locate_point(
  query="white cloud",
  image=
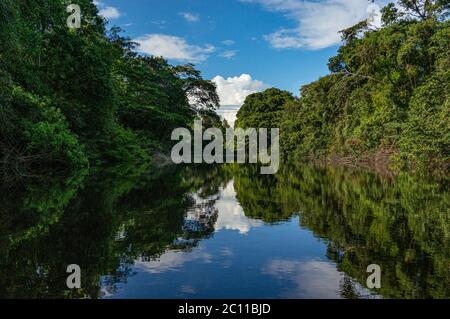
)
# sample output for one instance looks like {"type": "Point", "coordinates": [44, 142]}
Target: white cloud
{"type": "Point", "coordinates": [229, 54]}
{"type": "Point", "coordinates": [190, 17]}
{"type": "Point", "coordinates": [228, 42]}
{"type": "Point", "coordinates": [108, 12]}
{"type": "Point", "coordinates": [317, 23]}
{"type": "Point", "coordinates": [172, 47]}
{"type": "Point", "coordinates": [234, 90]}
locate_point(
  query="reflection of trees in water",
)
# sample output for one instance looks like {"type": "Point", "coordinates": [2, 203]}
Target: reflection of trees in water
{"type": "Point", "coordinates": [27, 210]}
{"type": "Point", "coordinates": [118, 216]}
{"type": "Point", "coordinates": [198, 224]}
{"type": "Point", "coordinates": [402, 225]}
{"type": "Point", "coordinates": [257, 193]}
{"type": "Point", "coordinates": [200, 219]}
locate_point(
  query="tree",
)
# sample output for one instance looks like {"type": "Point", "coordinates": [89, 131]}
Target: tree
{"type": "Point", "coordinates": [83, 95]}
{"type": "Point", "coordinates": [387, 93]}
{"type": "Point", "coordinates": [262, 110]}
{"type": "Point", "coordinates": [390, 14]}
{"type": "Point", "coordinates": [425, 9]}
{"type": "Point", "coordinates": [201, 93]}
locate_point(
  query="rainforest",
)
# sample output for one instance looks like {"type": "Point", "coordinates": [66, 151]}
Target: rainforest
{"type": "Point", "coordinates": [86, 174]}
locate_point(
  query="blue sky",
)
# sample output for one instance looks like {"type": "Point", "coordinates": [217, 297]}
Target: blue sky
{"type": "Point", "coordinates": [244, 45]}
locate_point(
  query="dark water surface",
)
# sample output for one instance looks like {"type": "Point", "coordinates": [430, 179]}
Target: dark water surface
{"type": "Point", "coordinates": [226, 232]}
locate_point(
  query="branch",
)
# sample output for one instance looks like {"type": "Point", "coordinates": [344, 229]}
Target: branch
{"type": "Point", "coordinates": [348, 73]}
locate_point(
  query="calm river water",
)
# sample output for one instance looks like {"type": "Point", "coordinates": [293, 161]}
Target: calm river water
{"type": "Point", "coordinates": [227, 232]}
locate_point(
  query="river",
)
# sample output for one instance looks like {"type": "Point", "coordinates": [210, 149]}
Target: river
{"type": "Point", "coordinates": [227, 232]}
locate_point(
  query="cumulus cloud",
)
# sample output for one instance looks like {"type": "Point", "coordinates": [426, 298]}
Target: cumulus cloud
{"type": "Point", "coordinates": [317, 23]}
{"type": "Point", "coordinates": [172, 47]}
{"type": "Point", "coordinates": [229, 54]}
{"type": "Point", "coordinates": [234, 90]}
{"type": "Point", "coordinates": [190, 17]}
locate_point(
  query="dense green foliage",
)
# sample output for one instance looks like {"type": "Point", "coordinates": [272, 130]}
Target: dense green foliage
{"type": "Point", "coordinates": [263, 110]}
{"type": "Point", "coordinates": [388, 90]}
{"type": "Point", "coordinates": [70, 97]}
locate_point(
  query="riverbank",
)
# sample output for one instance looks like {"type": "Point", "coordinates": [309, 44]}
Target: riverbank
{"type": "Point", "coordinates": [385, 162]}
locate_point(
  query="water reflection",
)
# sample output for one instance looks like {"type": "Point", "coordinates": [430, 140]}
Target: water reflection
{"type": "Point", "coordinates": [232, 215]}
{"type": "Point", "coordinates": [307, 232]}
{"type": "Point", "coordinates": [313, 279]}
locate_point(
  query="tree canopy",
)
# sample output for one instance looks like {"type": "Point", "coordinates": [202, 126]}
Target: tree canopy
{"type": "Point", "coordinates": [262, 110]}
{"type": "Point", "coordinates": [79, 97]}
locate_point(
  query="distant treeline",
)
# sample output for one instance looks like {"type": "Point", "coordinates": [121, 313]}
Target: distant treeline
{"type": "Point", "coordinates": [387, 94]}
{"type": "Point", "coordinates": [70, 98]}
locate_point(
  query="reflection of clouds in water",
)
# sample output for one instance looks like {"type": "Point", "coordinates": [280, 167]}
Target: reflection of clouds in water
{"type": "Point", "coordinates": [228, 256]}
{"type": "Point", "coordinates": [227, 251]}
{"type": "Point", "coordinates": [313, 278]}
{"type": "Point", "coordinates": [231, 215]}
{"type": "Point", "coordinates": [173, 260]}
{"type": "Point", "coordinates": [186, 289]}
